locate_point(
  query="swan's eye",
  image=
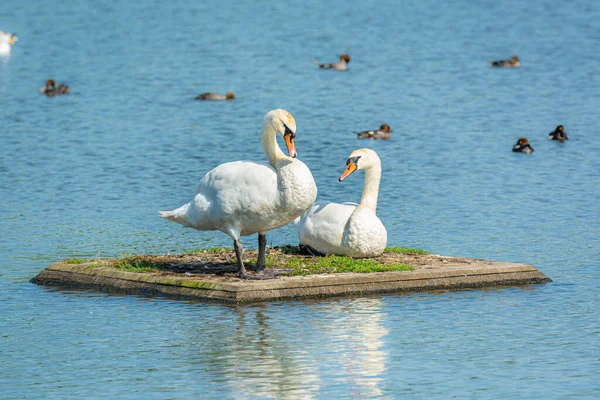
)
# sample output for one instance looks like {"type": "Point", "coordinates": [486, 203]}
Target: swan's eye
{"type": "Point", "coordinates": [353, 160]}
{"type": "Point", "coordinates": [288, 131]}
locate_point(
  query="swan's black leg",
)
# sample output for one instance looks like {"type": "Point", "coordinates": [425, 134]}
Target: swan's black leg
{"type": "Point", "coordinates": [239, 249]}
{"type": "Point", "coordinates": [261, 262]}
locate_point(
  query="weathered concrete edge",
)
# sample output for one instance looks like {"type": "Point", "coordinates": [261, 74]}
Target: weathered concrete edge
{"type": "Point", "coordinates": [295, 282]}
{"type": "Point", "coordinates": [146, 284]}
{"type": "Point", "coordinates": [55, 277]}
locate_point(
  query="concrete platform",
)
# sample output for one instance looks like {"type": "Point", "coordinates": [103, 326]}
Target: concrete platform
{"type": "Point", "coordinates": [435, 273]}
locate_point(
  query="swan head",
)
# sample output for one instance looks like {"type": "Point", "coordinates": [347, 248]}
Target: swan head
{"type": "Point", "coordinates": [360, 159]}
{"type": "Point", "coordinates": [8, 37]}
{"type": "Point", "coordinates": [285, 126]}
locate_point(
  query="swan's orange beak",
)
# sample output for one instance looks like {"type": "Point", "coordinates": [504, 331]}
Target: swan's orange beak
{"type": "Point", "coordinates": [289, 142]}
{"type": "Point", "coordinates": [349, 169]}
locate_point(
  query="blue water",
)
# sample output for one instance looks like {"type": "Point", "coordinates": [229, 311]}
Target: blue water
{"type": "Point", "coordinates": [83, 175]}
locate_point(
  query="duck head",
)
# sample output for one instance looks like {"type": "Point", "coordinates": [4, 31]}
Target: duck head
{"type": "Point", "coordinates": [229, 96]}
{"type": "Point", "coordinates": [345, 57]}
{"type": "Point", "coordinates": [385, 128]}
{"type": "Point", "coordinates": [523, 146]}
{"type": "Point", "coordinates": [514, 59]}
{"type": "Point", "coordinates": [284, 125]}
{"type": "Point", "coordinates": [559, 134]}
{"type": "Point", "coordinates": [360, 159]}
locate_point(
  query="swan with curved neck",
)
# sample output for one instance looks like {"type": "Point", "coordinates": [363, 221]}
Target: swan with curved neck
{"type": "Point", "coordinates": [242, 198]}
{"type": "Point", "coordinates": [348, 229]}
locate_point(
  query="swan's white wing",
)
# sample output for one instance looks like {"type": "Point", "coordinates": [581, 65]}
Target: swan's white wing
{"type": "Point", "coordinates": [322, 226]}
{"type": "Point", "coordinates": [239, 195]}
{"type": "Point", "coordinates": [243, 185]}
{"type": "Point", "coordinates": [237, 176]}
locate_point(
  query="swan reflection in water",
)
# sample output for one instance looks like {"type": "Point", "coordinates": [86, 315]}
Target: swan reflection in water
{"type": "Point", "coordinates": [357, 327]}
{"type": "Point", "coordinates": [283, 349]}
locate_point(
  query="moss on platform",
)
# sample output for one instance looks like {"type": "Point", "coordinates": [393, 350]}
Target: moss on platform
{"type": "Point", "coordinates": [223, 260]}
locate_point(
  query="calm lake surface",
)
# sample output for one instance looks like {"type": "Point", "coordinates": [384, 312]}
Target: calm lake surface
{"type": "Point", "coordinates": [83, 175]}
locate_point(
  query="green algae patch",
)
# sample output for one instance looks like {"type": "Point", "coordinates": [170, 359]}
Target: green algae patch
{"type": "Point", "coordinates": [95, 265]}
{"type": "Point", "coordinates": [136, 264]}
{"type": "Point", "coordinates": [405, 250]}
{"type": "Point", "coordinates": [303, 263]}
{"type": "Point", "coordinates": [339, 264]}
{"type": "Point", "coordinates": [198, 284]}
{"type": "Point", "coordinates": [76, 261]}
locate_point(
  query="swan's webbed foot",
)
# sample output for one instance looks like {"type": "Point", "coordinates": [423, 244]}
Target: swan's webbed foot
{"type": "Point", "coordinates": [270, 273]}
{"type": "Point", "coordinates": [264, 275]}
{"type": "Point", "coordinates": [305, 249]}
{"type": "Point", "coordinates": [242, 273]}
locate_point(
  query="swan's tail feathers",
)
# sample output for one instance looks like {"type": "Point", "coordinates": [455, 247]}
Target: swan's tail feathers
{"type": "Point", "coordinates": [175, 215]}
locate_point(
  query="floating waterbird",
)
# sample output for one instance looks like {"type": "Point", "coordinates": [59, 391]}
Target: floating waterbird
{"type": "Point", "coordinates": [215, 96]}
{"type": "Point", "coordinates": [382, 133]}
{"type": "Point", "coordinates": [512, 63]}
{"type": "Point", "coordinates": [7, 39]}
{"type": "Point", "coordinates": [522, 146]}
{"type": "Point", "coordinates": [50, 89]}
{"type": "Point", "coordinates": [558, 134]}
{"type": "Point", "coordinates": [340, 66]}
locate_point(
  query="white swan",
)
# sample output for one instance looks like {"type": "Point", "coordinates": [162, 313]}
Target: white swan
{"type": "Point", "coordinates": [6, 40]}
{"type": "Point", "coordinates": [348, 229]}
{"type": "Point", "coordinates": [244, 197]}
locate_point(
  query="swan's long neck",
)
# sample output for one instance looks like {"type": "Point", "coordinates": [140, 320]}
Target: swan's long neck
{"type": "Point", "coordinates": [270, 146]}
{"type": "Point", "coordinates": [371, 189]}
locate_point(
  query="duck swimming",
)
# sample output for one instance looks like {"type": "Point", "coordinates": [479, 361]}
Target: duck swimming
{"type": "Point", "coordinates": [522, 146]}
{"type": "Point", "coordinates": [242, 198]}
{"type": "Point", "coordinates": [215, 96]}
{"type": "Point", "coordinates": [7, 39]}
{"type": "Point", "coordinates": [50, 89]}
{"type": "Point", "coordinates": [558, 134]}
{"type": "Point", "coordinates": [382, 133]}
{"type": "Point", "coordinates": [512, 63]}
{"type": "Point", "coordinates": [339, 66]}
{"type": "Point", "coordinates": [348, 229]}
